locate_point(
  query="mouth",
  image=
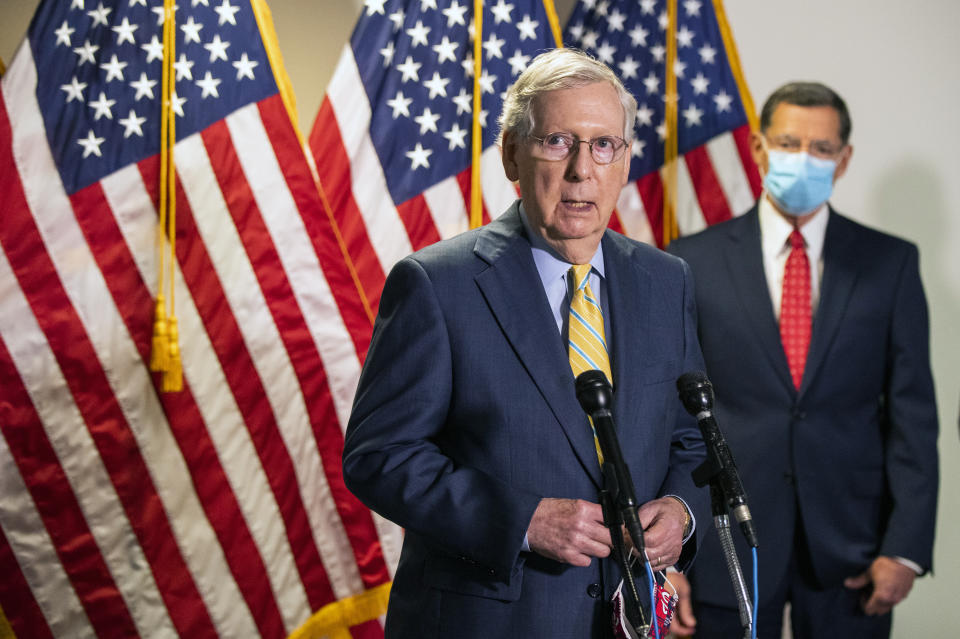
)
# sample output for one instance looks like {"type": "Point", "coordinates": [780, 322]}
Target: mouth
{"type": "Point", "coordinates": [577, 205]}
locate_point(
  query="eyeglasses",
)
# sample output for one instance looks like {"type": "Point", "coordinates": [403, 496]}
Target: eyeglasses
{"type": "Point", "coordinates": [817, 148]}
{"type": "Point", "coordinates": [558, 146]}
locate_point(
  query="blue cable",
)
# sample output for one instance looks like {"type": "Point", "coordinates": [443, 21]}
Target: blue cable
{"type": "Point", "coordinates": [756, 593]}
{"type": "Point", "coordinates": [653, 602]}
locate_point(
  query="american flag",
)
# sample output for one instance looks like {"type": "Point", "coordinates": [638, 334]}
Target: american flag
{"type": "Point", "coordinates": [392, 140]}
{"type": "Point", "coordinates": [219, 510]}
{"type": "Point", "coordinates": [716, 176]}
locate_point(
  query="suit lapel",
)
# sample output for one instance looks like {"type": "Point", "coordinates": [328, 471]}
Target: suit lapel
{"type": "Point", "coordinates": [511, 287]}
{"type": "Point", "coordinates": [839, 275]}
{"type": "Point", "coordinates": [628, 295]}
{"type": "Point", "coordinates": [744, 258]}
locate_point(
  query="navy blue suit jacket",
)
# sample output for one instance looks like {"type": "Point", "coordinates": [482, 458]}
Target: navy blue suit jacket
{"type": "Point", "coordinates": [853, 454]}
{"type": "Point", "coordinates": [466, 416]}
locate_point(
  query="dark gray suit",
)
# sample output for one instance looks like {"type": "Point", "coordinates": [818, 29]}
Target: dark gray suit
{"type": "Point", "coordinates": [466, 416]}
{"type": "Point", "coordinates": [845, 469]}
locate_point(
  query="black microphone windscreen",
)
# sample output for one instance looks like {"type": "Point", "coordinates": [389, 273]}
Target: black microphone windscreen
{"type": "Point", "coordinates": [696, 392]}
{"type": "Point", "coordinates": [593, 391]}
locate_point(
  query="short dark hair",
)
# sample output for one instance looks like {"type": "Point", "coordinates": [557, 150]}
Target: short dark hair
{"type": "Point", "coordinates": [807, 94]}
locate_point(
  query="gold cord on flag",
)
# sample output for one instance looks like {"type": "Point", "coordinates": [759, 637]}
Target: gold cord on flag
{"type": "Point", "coordinates": [6, 631]}
{"type": "Point", "coordinates": [669, 170]}
{"type": "Point", "coordinates": [334, 620]}
{"type": "Point", "coordinates": [3, 68]}
{"type": "Point", "coordinates": [476, 196]}
{"type": "Point", "coordinates": [554, 21]}
{"type": "Point", "coordinates": [165, 348]}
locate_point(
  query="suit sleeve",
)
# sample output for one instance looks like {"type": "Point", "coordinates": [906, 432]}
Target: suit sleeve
{"type": "Point", "coordinates": [391, 458]}
{"type": "Point", "coordinates": [911, 420]}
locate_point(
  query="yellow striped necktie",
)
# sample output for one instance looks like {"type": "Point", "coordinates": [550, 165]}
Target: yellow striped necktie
{"type": "Point", "coordinates": [587, 344]}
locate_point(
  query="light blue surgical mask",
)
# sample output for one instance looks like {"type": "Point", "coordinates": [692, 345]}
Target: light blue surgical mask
{"type": "Point", "coordinates": [798, 182]}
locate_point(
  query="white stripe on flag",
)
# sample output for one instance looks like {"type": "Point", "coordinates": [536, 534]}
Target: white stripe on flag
{"type": "Point", "coordinates": [132, 386]}
{"type": "Point", "coordinates": [136, 217]}
{"type": "Point", "coordinates": [447, 208]}
{"type": "Point", "coordinates": [22, 525]}
{"type": "Point", "coordinates": [633, 215]}
{"type": "Point", "coordinates": [498, 192]}
{"type": "Point", "coordinates": [351, 109]}
{"type": "Point", "coordinates": [84, 285]}
{"type": "Point", "coordinates": [243, 293]}
{"type": "Point", "coordinates": [689, 214]}
{"type": "Point", "coordinates": [725, 158]}
{"type": "Point", "coordinates": [309, 284]}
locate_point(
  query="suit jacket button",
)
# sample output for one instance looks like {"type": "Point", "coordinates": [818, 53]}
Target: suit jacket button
{"type": "Point", "coordinates": [594, 590]}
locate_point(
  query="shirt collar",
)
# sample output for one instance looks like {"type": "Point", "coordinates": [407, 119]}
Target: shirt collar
{"type": "Point", "coordinates": [549, 263]}
{"type": "Point", "coordinates": [775, 229]}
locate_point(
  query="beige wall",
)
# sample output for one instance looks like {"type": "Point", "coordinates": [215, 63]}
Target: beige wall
{"type": "Point", "coordinates": [896, 64]}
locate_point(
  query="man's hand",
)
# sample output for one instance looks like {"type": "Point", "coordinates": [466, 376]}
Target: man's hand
{"type": "Point", "coordinates": [662, 521]}
{"type": "Point", "coordinates": [684, 623]}
{"type": "Point", "coordinates": [569, 530]}
{"type": "Point", "coordinates": [886, 581]}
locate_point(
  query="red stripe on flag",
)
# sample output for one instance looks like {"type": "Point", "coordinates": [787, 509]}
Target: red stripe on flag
{"type": "Point", "coordinates": [333, 168]}
{"type": "Point", "coordinates": [63, 518]}
{"type": "Point", "coordinates": [367, 630]}
{"type": "Point", "coordinates": [465, 181]}
{"type": "Point", "coordinates": [323, 231]}
{"type": "Point", "coordinates": [88, 384]}
{"type": "Point", "coordinates": [298, 341]}
{"type": "Point", "coordinates": [415, 215]}
{"type": "Point", "coordinates": [135, 307]}
{"type": "Point", "coordinates": [614, 224]}
{"type": "Point", "coordinates": [15, 595]}
{"type": "Point", "coordinates": [266, 435]}
{"type": "Point", "coordinates": [742, 137]}
{"type": "Point", "coordinates": [186, 423]}
{"type": "Point", "coordinates": [713, 201]}
{"type": "Point", "coordinates": [651, 193]}
{"type": "Point", "coordinates": [201, 278]}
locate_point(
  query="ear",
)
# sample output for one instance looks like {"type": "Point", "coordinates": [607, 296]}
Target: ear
{"type": "Point", "coordinates": [758, 151]}
{"type": "Point", "coordinates": [843, 162]}
{"type": "Point", "coordinates": [508, 154]}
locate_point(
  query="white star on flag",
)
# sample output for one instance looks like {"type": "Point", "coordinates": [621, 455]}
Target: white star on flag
{"type": "Point", "coordinates": [132, 124]}
{"type": "Point", "coordinates": [91, 144]}
{"type": "Point", "coordinates": [418, 157]}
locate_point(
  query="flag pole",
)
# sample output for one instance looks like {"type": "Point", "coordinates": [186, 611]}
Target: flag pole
{"type": "Point", "coordinates": [476, 196]}
{"type": "Point", "coordinates": [670, 231]}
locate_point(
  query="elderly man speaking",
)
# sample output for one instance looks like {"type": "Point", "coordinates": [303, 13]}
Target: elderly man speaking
{"type": "Point", "coordinates": [466, 429]}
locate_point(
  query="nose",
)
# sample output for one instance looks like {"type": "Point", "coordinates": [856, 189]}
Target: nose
{"type": "Point", "coordinates": [580, 165]}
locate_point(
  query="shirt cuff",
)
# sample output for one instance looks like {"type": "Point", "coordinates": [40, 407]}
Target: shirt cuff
{"type": "Point", "coordinates": [693, 520]}
{"type": "Point", "coordinates": [912, 565]}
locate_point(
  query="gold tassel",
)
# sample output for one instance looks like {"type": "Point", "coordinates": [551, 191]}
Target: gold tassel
{"type": "Point", "coordinates": [173, 376]}
{"type": "Point", "coordinates": [160, 349]}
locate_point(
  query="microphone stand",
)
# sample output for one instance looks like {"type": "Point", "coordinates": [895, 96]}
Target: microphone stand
{"type": "Point", "coordinates": [719, 471]}
{"type": "Point", "coordinates": [617, 497]}
{"type": "Point", "coordinates": [721, 522]}
{"type": "Point", "coordinates": [614, 521]}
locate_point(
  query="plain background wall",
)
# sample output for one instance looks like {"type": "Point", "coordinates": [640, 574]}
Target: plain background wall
{"type": "Point", "coordinates": [896, 63]}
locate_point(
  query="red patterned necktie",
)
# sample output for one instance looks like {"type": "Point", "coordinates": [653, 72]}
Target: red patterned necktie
{"type": "Point", "coordinates": [795, 312]}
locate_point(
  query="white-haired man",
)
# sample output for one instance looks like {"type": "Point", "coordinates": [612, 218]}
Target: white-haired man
{"type": "Point", "coordinates": [466, 429]}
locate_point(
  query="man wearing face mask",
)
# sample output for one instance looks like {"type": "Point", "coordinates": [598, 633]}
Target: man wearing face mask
{"type": "Point", "coordinates": [815, 334]}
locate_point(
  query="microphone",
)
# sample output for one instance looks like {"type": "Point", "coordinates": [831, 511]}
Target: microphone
{"type": "Point", "coordinates": [696, 394]}
{"type": "Point", "coordinates": [596, 396]}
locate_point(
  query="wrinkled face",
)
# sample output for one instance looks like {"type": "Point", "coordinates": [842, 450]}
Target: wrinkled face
{"type": "Point", "coordinates": [569, 200]}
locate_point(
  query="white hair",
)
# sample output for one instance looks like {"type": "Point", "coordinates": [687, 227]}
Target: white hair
{"type": "Point", "coordinates": [554, 70]}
